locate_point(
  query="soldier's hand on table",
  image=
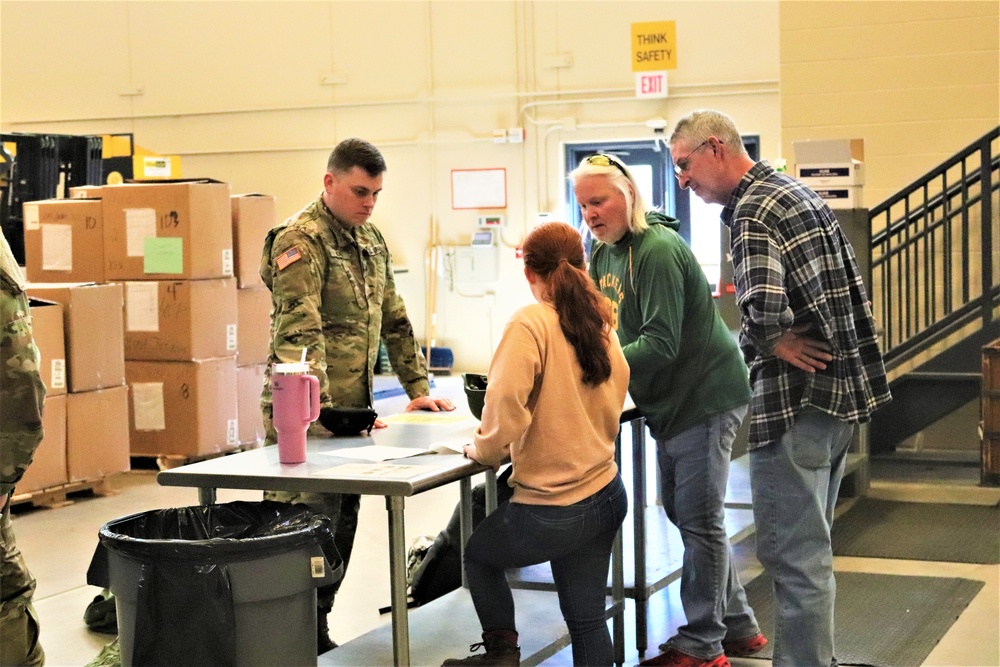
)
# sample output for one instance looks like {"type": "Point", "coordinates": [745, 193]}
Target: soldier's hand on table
{"type": "Point", "coordinates": [432, 404]}
{"type": "Point", "coordinates": [380, 424]}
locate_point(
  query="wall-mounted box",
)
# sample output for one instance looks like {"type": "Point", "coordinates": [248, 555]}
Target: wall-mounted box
{"type": "Point", "coordinates": [845, 197]}
{"type": "Point", "coordinates": [830, 162]}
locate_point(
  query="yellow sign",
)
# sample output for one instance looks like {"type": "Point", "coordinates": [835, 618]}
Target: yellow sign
{"type": "Point", "coordinates": [654, 46]}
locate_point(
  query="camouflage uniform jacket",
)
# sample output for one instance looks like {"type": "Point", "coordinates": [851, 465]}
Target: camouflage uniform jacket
{"type": "Point", "coordinates": [333, 293]}
{"type": "Point", "coordinates": [21, 388]}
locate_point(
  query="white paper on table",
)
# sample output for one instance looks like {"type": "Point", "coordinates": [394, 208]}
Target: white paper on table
{"type": "Point", "coordinates": [382, 470]}
{"type": "Point", "coordinates": [377, 453]}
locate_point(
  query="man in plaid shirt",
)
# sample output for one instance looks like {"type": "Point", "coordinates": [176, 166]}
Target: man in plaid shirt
{"type": "Point", "coordinates": [808, 335]}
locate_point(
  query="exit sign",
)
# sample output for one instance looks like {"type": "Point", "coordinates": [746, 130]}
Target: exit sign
{"type": "Point", "coordinates": [650, 84]}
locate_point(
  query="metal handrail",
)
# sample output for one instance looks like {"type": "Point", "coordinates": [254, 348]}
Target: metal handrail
{"type": "Point", "coordinates": [933, 262]}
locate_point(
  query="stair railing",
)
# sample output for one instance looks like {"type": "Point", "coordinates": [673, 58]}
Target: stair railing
{"type": "Point", "coordinates": [935, 260]}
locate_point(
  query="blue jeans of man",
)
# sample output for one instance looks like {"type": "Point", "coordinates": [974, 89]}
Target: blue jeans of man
{"type": "Point", "coordinates": [694, 469]}
{"type": "Point", "coordinates": [795, 482]}
{"type": "Point", "coordinates": [576, 539]}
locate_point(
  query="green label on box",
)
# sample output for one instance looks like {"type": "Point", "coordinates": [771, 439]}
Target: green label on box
{"type": "Point", "coordinates": [163, 255]}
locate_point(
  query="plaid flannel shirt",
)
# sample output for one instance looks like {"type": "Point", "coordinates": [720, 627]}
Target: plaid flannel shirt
{"type": "Point", "coordinates": [793, 266]}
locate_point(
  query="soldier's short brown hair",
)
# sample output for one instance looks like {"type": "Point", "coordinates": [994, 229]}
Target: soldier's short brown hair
{"type": "Point", "coordinates": [355, 152]}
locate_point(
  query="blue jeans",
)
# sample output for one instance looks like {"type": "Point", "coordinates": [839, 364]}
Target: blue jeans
{"type": "Point", "coordinates": [795, 481]}
{"type": "Point", "coordinates": [694, 469]}
{"type": "Point", "coordinates": [576, 539]}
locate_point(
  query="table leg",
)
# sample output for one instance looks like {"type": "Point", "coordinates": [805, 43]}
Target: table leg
{"type": "Point", "coordinates": [206, 496]}
{"type": "Point", "coordinates": [464, 520]}
{"type": "Point", "coordinates": [639, 526]}
{"type": "Point", "coordinates": [397, 574]}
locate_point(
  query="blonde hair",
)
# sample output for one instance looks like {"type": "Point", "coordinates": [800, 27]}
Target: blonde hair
{"type": "Point", "coordinates": [621, 178]}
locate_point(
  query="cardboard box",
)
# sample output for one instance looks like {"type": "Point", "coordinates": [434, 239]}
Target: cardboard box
{"type": "Point", "coordinates": [249, 383]}
{"type": "Point", "coordinates": [180, 320]}
{"type": "Point", "coordinates": [253, 309]}
{"type": "Point", "coordinates": [168, 230]}
{"type": "Point", "coordinates": [47, 330]}
{"type": "Point", "coordinates": [64, 240]}
{"type": "Point", "coordinates": [185, 408]}
{"type": "Point", "coordinates": [253, 217]}
{"type": "Point", "coordinates": [85, 192]}
{"type": "Point", "coordinates": [94, 329]}
{"type": "Point", "coordinates": [48, 467]}
{"type": "Point", "coordinates": [845, 197]}
{"type": "Point", "coordinates": [830, 162]}
{"type": "Point", "coordinates": [97, 434]}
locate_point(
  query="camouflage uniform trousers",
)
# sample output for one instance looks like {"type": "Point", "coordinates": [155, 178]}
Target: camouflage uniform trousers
{"type": "Point", "coordinates": [19, 643]}
{"type": "Point", "coordinates": [341, 508]}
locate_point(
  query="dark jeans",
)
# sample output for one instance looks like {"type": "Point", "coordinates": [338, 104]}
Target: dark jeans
{"type": "Point", "coordinates": [576, 539]}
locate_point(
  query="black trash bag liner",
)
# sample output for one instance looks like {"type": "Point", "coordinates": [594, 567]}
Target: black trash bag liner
{"type": "Point", "coordinates": [185, 609]}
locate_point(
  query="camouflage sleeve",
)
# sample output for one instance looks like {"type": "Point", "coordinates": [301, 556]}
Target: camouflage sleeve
{"type": "Point", "coordinates": [404, 352]}
{"type": "Point", "coordinates": [297, 289]}
{"type": "Point", "coordinates": [21, 389]}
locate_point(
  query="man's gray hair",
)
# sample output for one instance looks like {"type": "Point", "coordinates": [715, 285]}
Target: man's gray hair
{"type": "Point", "coordinates": [699, 125]}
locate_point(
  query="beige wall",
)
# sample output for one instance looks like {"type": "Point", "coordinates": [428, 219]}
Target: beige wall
{"type": "Point", "coordinates": [918, 81]}
{"type": "Point", "coordinates": [235, 89]}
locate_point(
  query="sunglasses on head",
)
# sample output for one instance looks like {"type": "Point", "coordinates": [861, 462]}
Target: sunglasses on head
{"type": "Point", "coordinates": [605, 160]}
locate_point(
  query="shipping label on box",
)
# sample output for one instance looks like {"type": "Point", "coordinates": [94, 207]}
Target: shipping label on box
{"type": "Point", "coordinates": [182, 408]}
{"type": "Point", "coordinates": [64, 240]}
{"type": "Point", "coordinates": [180, 320]}
{"type": "Point", "coordinates": [253, 216]}
{"type": "Point", "coordinates": [94, 332]}
{"type": "Point", "coordinates": [167, 230]}
{"type": "Point", "coordinates": [48, 466]}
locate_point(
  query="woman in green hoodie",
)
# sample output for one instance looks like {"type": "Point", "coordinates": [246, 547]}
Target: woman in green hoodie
{"type": "Point", "coordinates": [689, 380]}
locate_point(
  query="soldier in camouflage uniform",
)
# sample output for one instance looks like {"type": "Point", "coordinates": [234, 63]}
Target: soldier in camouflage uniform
{"type": "Point", "coordinates": [21, 396]}
{"type": "Point", "coordinates": [333, 294]}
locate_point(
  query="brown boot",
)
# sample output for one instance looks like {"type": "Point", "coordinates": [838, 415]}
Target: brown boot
{"type": "Point", "coordinates": [501, 651]}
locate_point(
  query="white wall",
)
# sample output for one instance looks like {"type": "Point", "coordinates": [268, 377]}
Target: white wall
{"type": "Point", "coordinates": [235, 89]}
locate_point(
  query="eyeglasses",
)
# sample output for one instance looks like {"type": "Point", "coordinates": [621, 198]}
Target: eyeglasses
{"type": "Point", "coordinates": [683, 164]}
{"type": "Point", "coordinates": [604, 160]}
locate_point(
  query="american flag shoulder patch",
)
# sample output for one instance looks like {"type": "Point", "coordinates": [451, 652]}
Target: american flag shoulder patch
{"type": "Point", "coordinates": [290, 256]}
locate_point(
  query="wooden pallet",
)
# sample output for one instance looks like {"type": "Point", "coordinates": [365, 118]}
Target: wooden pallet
{"type": "Point", "coordinates": [170, 461]}
{"type": "Point", "coordinates": [63, 494]}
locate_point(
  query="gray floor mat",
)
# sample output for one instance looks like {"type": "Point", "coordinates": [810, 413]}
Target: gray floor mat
{"type": "Point", "coordinates": [883, 620]}
{"type": "Point", "coordinates": [919, 531]}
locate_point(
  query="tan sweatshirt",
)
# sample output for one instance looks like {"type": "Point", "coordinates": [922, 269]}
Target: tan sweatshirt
{"type": "Point", "coordinates": [559, 433]}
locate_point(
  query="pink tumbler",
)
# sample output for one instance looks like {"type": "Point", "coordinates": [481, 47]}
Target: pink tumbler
{"type": "Point", "coordinates": [295, 399]}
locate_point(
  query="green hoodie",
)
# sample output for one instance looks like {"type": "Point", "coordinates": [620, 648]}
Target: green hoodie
{"type": "Point", "coordinates": [685, 364]}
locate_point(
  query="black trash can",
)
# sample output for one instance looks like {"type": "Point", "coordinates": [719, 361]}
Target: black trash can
{"type": "Point", "coordinates": [228, 584]}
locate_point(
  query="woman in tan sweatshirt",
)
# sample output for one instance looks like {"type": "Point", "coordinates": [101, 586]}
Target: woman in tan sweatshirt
{"type": "Point", "coordinates": [556, 387]}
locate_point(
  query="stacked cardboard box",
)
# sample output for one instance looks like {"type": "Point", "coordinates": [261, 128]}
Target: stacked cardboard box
{"type": "Point", "coordinates": [80, 339]}
{"type": "Point", "coordinates": [191, 307]}
{"type": "Point", "coordinates": [170, 244]}
{"type": "Point", "coordinates": [252, 215]}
